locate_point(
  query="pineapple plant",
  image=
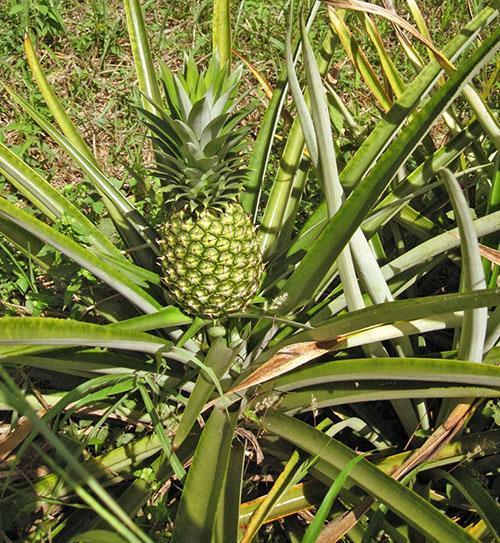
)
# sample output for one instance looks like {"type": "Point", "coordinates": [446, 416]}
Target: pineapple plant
{"type": "Point", "coordinates": [210, 249]}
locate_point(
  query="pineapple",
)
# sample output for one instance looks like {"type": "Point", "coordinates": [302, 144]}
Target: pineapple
{"type": "Point", "coordinates": [210, 250]}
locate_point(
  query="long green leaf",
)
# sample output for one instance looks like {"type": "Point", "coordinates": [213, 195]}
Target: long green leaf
{"type": "Point", "coordinates": [167, 317]}
{"type": "Point", "coordinates": [435, 370]}
{"type": "Point", "coordinates": [121, 210]}
{"type": "Point", "coordinates": [143, 61]}
{"type": "Point", "coordinates": [228, 512]}
{"type": "Point", "coordinates": [221, 31]}
{"type": "Point", "coordinates": [66, 332]}
{"type": "Point", "coordinates": [321, 515]}
{"type": "Point", "coordinates": [349, 394]}
{"type": "Point", "coordinates": [399, 310]}
{"type": "Point", "coordinates": [326, 163]}
{"type": "Point", "coordinates": [219, 359]}
{"type": "Point", "coordinates": [202, 490]}
{"type": "Point", "coordinates": [177, 467]}
{"type": "Point", "coordinates": [55, 106]}
{"type": "Point", "coordinates": [475, 320]}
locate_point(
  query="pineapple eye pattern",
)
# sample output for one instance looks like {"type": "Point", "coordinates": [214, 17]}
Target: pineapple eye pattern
{"type": "Point", "coordinates": [214, 274]}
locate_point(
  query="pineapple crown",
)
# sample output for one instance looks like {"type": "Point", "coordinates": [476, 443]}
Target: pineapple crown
{"type": "Point", "coordinates": [197, 137]}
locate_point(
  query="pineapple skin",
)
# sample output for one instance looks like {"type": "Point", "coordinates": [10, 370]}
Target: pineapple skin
{"type": "Point", "coordinates": [211, 260]}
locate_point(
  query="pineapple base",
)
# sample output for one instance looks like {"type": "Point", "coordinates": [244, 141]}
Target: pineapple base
{"type": "Point", "coordinates": [211, 260]}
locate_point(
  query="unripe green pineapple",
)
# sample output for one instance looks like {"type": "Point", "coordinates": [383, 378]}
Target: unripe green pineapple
{"type": "Point", "coordinates": [211, 254]}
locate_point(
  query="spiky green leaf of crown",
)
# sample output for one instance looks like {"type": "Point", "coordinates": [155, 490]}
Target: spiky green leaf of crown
{"type": "Point", "coordinates": [198, 137]}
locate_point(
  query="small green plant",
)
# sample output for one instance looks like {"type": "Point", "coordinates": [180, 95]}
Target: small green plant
{"type": "Point", "coordinates": [246, 410]}
{"type": "Point", "coordinates": [44, 16]}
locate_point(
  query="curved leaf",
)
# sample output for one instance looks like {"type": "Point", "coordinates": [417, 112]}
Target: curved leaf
{"type": "Point", "coordinates": [477, 496]}
{"type": "Point", "coordinates": [473, 331]}
{"type": "Point", "coordinates": [64, 333]}
{"type": "Point", "coordinates": [435, 370]}
{"type": "Point", "coordinates": [398, 310]}
{"type": "Point", "coordinates": [329, 395]}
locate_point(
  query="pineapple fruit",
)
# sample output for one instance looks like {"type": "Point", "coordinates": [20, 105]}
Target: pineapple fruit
{"type": "Point", "coordinates": [210, 250]}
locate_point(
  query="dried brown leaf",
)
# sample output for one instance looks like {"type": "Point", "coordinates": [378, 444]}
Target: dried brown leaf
{"type": "Point", "coordinates": [285, 360]}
